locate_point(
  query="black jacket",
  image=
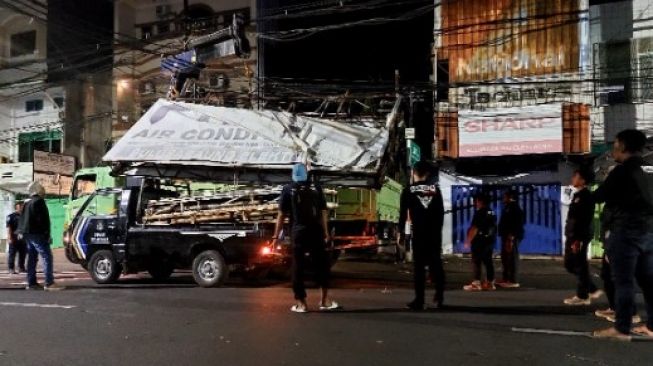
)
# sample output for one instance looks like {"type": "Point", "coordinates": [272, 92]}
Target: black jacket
{"type": "Point", "coordinates": [512, 221]}
{"type": "Point", "coordinates": [626, 193]}
{"type": "Point", "coordinates": [580, 217]}
{"type": "Point", "coordinates": [423, 202]}
{"type": "Point", "coordinates": [35, 218]}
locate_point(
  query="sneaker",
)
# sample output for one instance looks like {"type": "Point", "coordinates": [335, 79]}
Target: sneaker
{"type": "Point", "coordinates": [474, 286]}
{"type": "Point", "coordinates": [298, 309]}
{"type": "Point", "coordinates": [33, 287]}
{"type": "Point", "coordinates": [53, 287]}
{"type": "Point", "coordinates": [489, 286]}
{"type": "Point", "coordinates": [12, 272]}
{"type": "Point", "coordinates": [612, 334]}
{"type": "Point", "coordinates": [604, 313]}
{"type": "Point", "coordinates": [636, 319]}
{"type": "Point", "coordinates": [596, 294]}
{"type": "Point", "coordinates": [577, 301]}
{"type": "Point", "coordinates": [415, 306]}
{"type": "Point", "coordinates": [332, 306]}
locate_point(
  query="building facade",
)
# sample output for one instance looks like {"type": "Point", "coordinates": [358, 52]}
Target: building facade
{"type": "Point", "coordinates": [31, 111]}
{"type": "Point", "coordinates": [160, 28]}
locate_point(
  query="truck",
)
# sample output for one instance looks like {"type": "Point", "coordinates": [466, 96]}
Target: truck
{"type": "Point", "coordinates": [153, 228]}
{"type": "Point", "coordinates": [367, 218]}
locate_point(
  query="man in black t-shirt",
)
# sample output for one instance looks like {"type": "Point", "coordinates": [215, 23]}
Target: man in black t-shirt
{"type": "Point", "coordinates": [481, 237]}
{"type": "Point", "coordinates": [511, 232]}
{"type": "Point", "coordinates": [422, 202]}
{"type": "Point", "coordinates": [578, 235]}
{"type": "Point", "coordinates": [305, 206]}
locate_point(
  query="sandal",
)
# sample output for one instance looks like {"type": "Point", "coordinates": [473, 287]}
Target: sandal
{"type": "Point", "coordinates": [298, 309]}
{"type": "Point", "coordinates": [643, 331]}
{"type": "Point", "coordinates": [333, 306]}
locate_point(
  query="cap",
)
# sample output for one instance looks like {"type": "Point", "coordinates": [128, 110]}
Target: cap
{"type": "Point", "coordinates": [299, 173]}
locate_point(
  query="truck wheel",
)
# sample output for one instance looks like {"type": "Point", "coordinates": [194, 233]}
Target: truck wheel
{"type": "Point", "coordinates": [103, 267]}
{"type": "Point", "coordinates": [209, 269]}
{"type": "Point", "coordinates": [161, 271]}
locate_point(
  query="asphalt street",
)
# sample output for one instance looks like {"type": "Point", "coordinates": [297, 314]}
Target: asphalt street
{"type": "Point", "coordinates": [139, 322]}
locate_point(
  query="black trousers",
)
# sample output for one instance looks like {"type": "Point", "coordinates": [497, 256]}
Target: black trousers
{"type": "Point", "coordinates": [608, 284]}
{"type": "Point", "coordinates": [309, 248]}
{"type": "Point", "coordinates": [510, 259]}
{"type": "Point", "coordinates": [20, 247]}
{"type": "Point", "coordinates": [578, 265]}
{"type": "Point", "coordinates": [428, 253]}
{"type": "Point", "coordinates": [482, 250]}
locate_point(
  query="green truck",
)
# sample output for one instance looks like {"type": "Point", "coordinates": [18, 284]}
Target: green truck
{"type": "Point", "coordinates": [367, 218]}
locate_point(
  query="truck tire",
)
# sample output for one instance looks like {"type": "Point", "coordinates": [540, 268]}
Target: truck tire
{"type": "Point", "coordinates": [161, 271]}
{"type": "Point", "coordinates": [103, 267]}
{"type": "Point", "coordinates": [210, 269]}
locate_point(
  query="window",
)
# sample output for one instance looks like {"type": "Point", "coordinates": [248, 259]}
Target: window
{"type": "Point", "coordinates": [34, 105]}
{"type": "Point", "coordinates": [23, 44]}
{"type": "Point", "coordinates": [84, 185]}
{"type": "Point", "coordinates": [42, 141]}
{"type": "Point", "coordinates": [146, 32]}
{"type": "Point", "coordinates": [163, 28]}
{"type": "Point", "coordinates": [58, 101]}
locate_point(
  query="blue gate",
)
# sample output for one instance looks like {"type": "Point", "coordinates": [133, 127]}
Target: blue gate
{"type": "Point", "coordinates": [541, 204]}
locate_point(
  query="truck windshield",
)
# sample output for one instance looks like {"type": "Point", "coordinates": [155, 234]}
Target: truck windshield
{"type": "Point", "coordinates": [101, 204]}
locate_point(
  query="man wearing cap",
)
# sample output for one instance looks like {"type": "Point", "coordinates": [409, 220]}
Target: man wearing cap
{"type": "Point", "coordinates": [305, 206]}
{"type": "Point", "coordinates": [34, 227]}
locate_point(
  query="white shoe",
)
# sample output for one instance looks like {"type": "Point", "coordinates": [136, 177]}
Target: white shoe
{"type": "Point", "coordinates": [298, 309]}
{"type": "Point", "coordinates": [332, 306]}
{"type": "Point", "coordinates": [577, 301]}
{"type": "Point", "coordinates": [474, 286]}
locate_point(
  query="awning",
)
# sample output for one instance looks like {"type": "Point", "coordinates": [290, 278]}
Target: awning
{"type": "Point", "coordinates": [184, 140]}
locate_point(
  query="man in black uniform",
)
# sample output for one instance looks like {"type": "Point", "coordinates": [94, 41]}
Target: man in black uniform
{"type": "Point", "coordinates": [481, 237]}
{"type": "Point", "coordinates": [15, 245]}
{"type": "Point", "coordinates": [422, 201]}
{"type": "Point", "coordinates": [628, 221]}
{"type": "Point", "coordinates": [578, 235]}
{"type": "Point", "coordinates": [304, 204]}
{"type": "Point", "coordinates": [511, 232]}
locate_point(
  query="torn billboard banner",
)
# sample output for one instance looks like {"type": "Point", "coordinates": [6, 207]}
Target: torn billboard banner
{"type": "Point", "coordinates": [177, 132]}
{"type": "Point", "coordinates": [511, 131]}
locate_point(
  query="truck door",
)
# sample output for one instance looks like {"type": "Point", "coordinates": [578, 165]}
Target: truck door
{"type": "Point", "coordinates": [98, 225]}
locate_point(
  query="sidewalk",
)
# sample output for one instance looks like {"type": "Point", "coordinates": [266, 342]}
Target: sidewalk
{"type": "Point", "coordinates": [61, 264]}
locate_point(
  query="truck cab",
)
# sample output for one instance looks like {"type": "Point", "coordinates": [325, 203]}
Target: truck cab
{"type": "Point", "coordinates": [85, 182]}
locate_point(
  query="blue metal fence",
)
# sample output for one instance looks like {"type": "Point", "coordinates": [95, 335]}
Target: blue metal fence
{"type": "Point", "coordinates": [541, 204]}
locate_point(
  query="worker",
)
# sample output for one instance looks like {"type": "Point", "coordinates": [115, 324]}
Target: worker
{"type": "Point", "coordinates": [511, 232]}
{"type": "Point", "coordinates": [481, 238]}
{"type": "Point", "coordinates": [422, 202]}
{"type": "Point", "coordinates": [304, 204]}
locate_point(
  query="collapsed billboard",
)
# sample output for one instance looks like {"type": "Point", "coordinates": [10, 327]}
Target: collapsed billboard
{"type": "Point", "coordinates": [186, 134]}
{"type": "Point", "coordinates": [492, 40]}
{"type": "Point", "coordinates": [511, 131]}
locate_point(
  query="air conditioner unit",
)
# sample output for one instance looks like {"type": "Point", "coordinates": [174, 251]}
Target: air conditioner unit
{"type": "Point", "coordinates": [163, 10]}
{"type": "Point", "coordinates": [218, 81]}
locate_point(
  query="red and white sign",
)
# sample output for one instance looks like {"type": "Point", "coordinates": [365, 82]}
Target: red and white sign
{"type": "Point", "coordinates": [511, 131]}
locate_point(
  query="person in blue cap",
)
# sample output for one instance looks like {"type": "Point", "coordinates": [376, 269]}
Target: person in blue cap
{"type": "Point", "coordinates": [304, 204]}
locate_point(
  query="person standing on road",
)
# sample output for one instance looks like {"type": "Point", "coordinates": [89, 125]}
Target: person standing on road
{"type": "Point", "coordinates": [511, 232]}
{"type": "Point", "coordinates": [15, 245]}
{"type": "Point", "coordinates": [579, 233]}
{"type": "Point", "coordinates": [628, 220]}
{"type": "Point", "coordinates": [481, 237]}
{"type": "Point", "coordinates": [304, 204]}
{"type": "Point", "coordinates": [422, 202]}
{"type": "Point", "coordinates": [35, 229]}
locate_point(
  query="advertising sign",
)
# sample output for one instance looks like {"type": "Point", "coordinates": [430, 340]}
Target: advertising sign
{"type": "Point", "coordinates": [54, 172]}
{"type": "Point", "coordinates": [176, 132]}
{"type": "Point", "coordinates": [511, 131]}
{"type": "Point", "coordinates": [490, 40]}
